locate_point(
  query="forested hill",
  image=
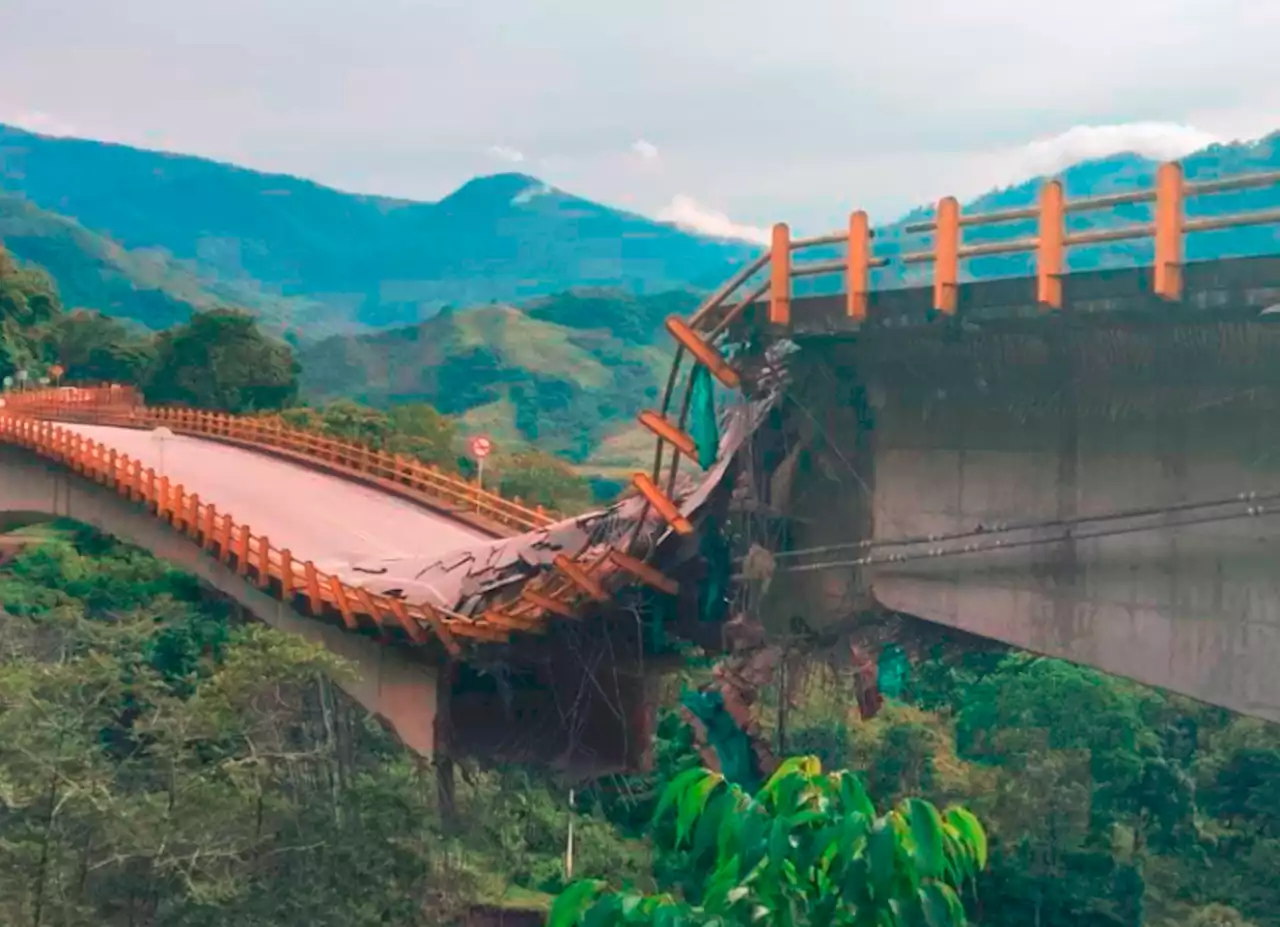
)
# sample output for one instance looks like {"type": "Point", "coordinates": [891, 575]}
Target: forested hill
{"type": "Point", "coordinates": [563, 372]}
{"type": "Point", "coordinates": [1115, 174]}
{"type": "Point", "coordinates": [301, 253]}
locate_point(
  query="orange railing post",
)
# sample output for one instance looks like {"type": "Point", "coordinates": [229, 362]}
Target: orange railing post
{"type": "Point", "coordinates": [286, 575]}
{"type": "Point", "coordinates": [1169, 232]}
{"type": "Point", "coordinates": [946, 261]}
{"type": "Point", "coordinates": [264, 562]}
{"type": "Point", "coordinates": [163, 505]}
{"type": "Point", "coordinates": [1051, 245]}
{"type": "Point", "coordinates": [224, 540]}
{"type": "Point", "coordinates": [780, 276]}
{"type": "Point", "coordinates": [242, 551]}
{"type": "Point", "coordinates": [858, 271]}
{"type": "Point", "coordinates": [179, 507]}
{"type": "Point", "coordinates": [210, 526]}
{"type": "Point", "coordinates": [313, 588]}
{"type": "Point", "coordinates": [192, 518]}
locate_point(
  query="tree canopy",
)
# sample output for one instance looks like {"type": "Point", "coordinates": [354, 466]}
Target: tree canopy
{"type": "Point", "coordinates": [807, 849]}
{"type": "Point", "coordinates": [221, 360]}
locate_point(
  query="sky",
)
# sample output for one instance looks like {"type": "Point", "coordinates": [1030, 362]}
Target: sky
{"type": "Point", "coordinates": [722, 116]}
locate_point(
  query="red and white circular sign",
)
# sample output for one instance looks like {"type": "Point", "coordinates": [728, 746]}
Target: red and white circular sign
{"type": "Point", "coordinates": [481, 447]}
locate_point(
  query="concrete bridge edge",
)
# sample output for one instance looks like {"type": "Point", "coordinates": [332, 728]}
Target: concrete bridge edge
{"type": "Point", "coordinates": [388, 681]}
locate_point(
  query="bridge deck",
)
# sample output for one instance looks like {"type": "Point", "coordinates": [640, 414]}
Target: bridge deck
{"type": "Point", "coordinates": [330, 520]}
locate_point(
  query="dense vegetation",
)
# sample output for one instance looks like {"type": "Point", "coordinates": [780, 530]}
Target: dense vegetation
{"type": "Point", "coordinates": [163, 763]}
{"type": "Point", "coordinates": [192, 233]}
{"type": "Point", "coordinates": [220, 360]}
{"type": "Point", "coordinates": [808, 848]}
{"type": "Point", "coordinates": [1108, 803]}
{"type": "Point", "coordinates": [561, 374]}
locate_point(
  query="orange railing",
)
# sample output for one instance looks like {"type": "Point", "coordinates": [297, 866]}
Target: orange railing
{"type": "Point", "coordinates": [1169, 229]}
{"type": "Point", "coordinates": [118, 406]}
{"type": "Point", "coordinates": [275, 570]}
{"type": "Point", "coordinates": [587, 575]}
{"type": "Point", "coordinates": [771, 275]}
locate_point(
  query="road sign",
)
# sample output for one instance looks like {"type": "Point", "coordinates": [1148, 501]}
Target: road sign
{"type": "Point", "coordinates": [481, 447]}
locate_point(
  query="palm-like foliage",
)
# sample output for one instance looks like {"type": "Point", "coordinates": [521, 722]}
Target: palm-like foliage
{"type": "Point", "coordinates": [807, 849]}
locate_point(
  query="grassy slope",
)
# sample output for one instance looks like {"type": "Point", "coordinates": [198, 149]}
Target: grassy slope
{"type": "Point", "coordinates": [562, 373]}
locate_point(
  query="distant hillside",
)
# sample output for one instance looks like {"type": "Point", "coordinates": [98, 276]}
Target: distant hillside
{"type": "Point", "coordinates": [570, 372]}
{"type": "Point", "coordinates": [146, 285]}
{"type": "Point", "coordinates": [565, 372]}
{"type": "Point", "coordinates": [295, 250]}
{"type": "Point", "coordinates": [1093, 178]}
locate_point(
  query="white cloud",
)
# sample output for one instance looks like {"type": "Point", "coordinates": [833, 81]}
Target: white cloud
{"type": "Point", "coordinates": [687, 213]}
{"type": "Point", "coordinates": [503, 153]}
{"type": "Point", "coordinates": [530, 193]}
{"type": "Point", "coordinates": [646, 150]}
{"type": "Point", "coordinates": [40, 123]}
{"type": "Point", "coordinates": [1160, 141]}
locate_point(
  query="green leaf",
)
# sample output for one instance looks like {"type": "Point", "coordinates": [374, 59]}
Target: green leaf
{"type": "Point", "coordinates": [669, 915]}
{"type": "Point", "coordinates": [631, 905]}
{"type": "Point", "coordinates": [853, 795]}
{"type": "Point", "coordinates": [754, 831]}
{"type": "Point", "coordinates": [569, 905]}
{"type": "Point", "coordinates": [730, 833]}
{"type": "Point", "coordinates": [722, 882]}
{"type": "Point", "coordinates": [805, 766]}
{"type": "Point", "coordinates": [705, 834]}
{"type": "Point", "coordinates": [881, 849]}
{"type": "Point", "coordinates": [940, 905]}
{"type": "Point", "coordinates": [971, 832]}
{"type": "Point", "coordinates": [926, 832]}
{"type": "Point", "coordinates": [604, 912]}
{"type": "Point", "coordinates": [779, 842]}
{"type": "Point", "coordinates": [693, 802]}
{"type": "Point", "coordinates": [676, 789]}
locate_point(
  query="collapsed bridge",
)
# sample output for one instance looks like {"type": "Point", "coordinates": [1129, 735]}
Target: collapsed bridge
{"type": "Point", "coordinates": [1081, 464]}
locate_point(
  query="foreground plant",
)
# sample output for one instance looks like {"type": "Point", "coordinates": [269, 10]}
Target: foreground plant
{"type": "Point", "coordinates": [807, 849]}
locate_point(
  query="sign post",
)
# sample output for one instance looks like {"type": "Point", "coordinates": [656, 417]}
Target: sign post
{"type": "Point", "coordinates": [481, 447]}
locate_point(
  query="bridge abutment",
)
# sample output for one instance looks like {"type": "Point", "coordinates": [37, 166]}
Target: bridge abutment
{"type": "Point", "coordinates": [1067, 424]}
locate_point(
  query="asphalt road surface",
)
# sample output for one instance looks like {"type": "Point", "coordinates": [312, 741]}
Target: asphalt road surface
{"type": "Point", "coordinates": [318, 517]}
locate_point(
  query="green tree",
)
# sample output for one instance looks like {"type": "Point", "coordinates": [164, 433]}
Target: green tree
{"type": "Point", "coordinates": [543, 479]}
{"type": "Point", "coordinates": [419, 430]}
{"type": "Point", "coordinates": [95, 347]}
{"type": "Point", "coordinates": [808, 849]}
{"type": "Point", "coordinates": [220, 360]}
{"type": "Point", "coordinates": [29, 305]}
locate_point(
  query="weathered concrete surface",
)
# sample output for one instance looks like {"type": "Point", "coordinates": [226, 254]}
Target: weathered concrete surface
{"type": "Point", "coordinates": [907, 433]}
{"type": "Point", "coordinates": [391, 682]}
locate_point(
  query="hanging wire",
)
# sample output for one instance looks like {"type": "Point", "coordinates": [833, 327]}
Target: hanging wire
{"type": "Point", "coordinates": [1006, 527]}
{"type": "Point", "coordinates": [1253, 510]}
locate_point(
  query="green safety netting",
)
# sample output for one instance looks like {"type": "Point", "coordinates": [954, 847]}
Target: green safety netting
{"type": "Point", "coordinates": [732, 746]}
{"type": "Point", "coordinates": [713, 595]}
{"type": "Point", "coordinates": [659, 609]}
{"type": "Point", "coordinates": [893, 672]}
{"type": "Point", "coordinates": [703, 427]}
